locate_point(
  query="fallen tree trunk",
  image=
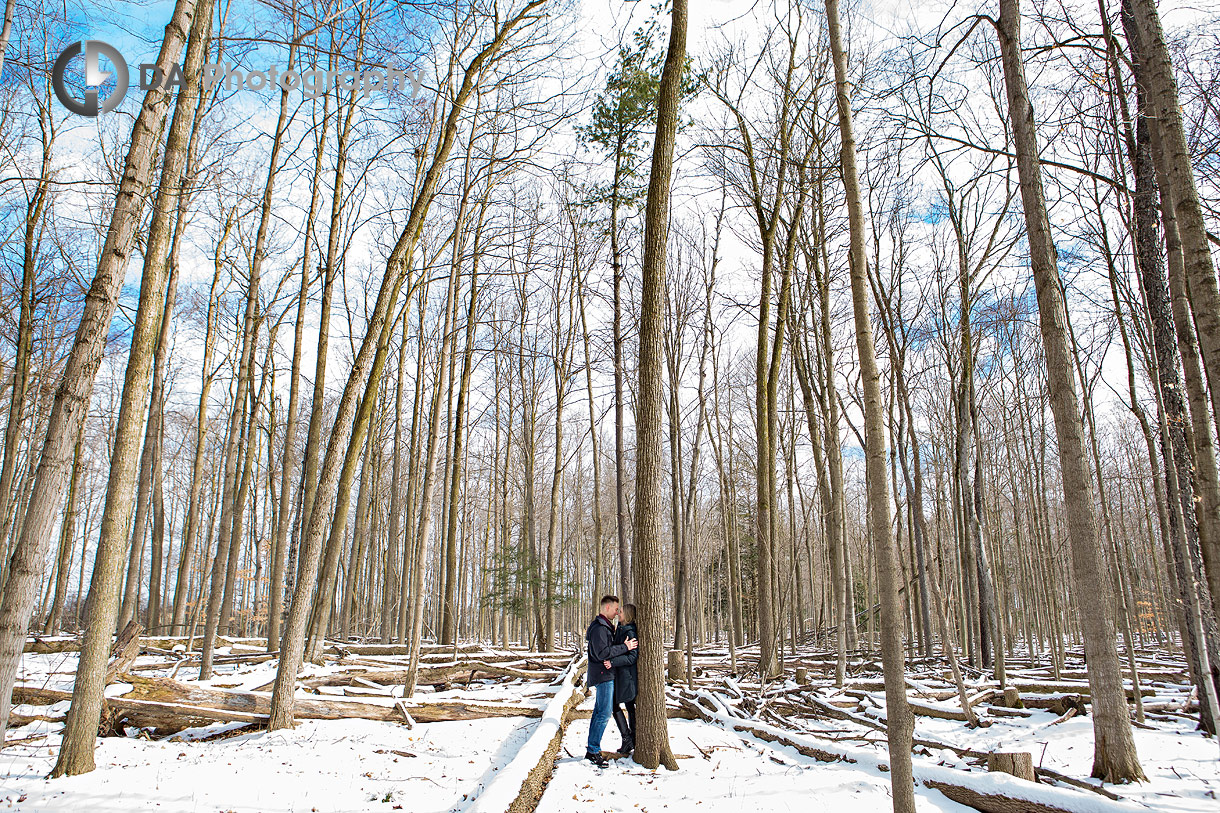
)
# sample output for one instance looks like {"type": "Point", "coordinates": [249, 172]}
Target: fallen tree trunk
{"type": "Point", "coordinates": [995, 793]}
{"type": "Point", "coordinates": [167, 705]}
{"type": "Point", "coordinates": [51, 646]}
{"type": "Point", "coordinates": [939, 713]}
{"type": "Point", "coordinates": [441, 674]}
{"type": "Point", "coordinates": [518, 787]}
{"type": "Point", "coordinates": [337, 647]}
{"type": "Point", "coordinates": [671, 713]}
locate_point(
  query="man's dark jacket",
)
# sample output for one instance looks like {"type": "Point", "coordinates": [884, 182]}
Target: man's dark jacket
{"type": "Point", "coordinates": [600, 639]}
{"type": "Point", "coordinates": [625, 678]}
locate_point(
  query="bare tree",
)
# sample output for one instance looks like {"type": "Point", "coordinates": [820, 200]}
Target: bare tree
{"type": "Point", "coordinates": [1114, 757]}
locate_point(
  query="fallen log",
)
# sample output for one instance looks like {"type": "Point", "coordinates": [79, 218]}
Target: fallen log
{"type": "Point", "coordinates": [998, 794]}
{"type": "Point", "coordinates": [153, 644]}
{"type": "Point", "coordinates": [169, 706]}
{"type": "Point", "coordinates": [518, 787]}
{"type": "Point", "coordinates": [671, 713]}
{"type": "Point", "coordinates": [397, 677]}
{"type": "Point", "coordinates": [937, 712]}
{"type": "Point", "coordinates": [1066, 687]}
{"type": "Point", "coordinates": [1058, 703]}
{"type": "Point", "coordinates": [18, 720]}
{"type": "Point", "coordinates": [51, 646]}
{"type": "Point", "coordinates": [339, 647]}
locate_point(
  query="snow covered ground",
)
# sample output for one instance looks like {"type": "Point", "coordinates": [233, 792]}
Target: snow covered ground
{"type": "Point", "coordinates": [718, 771]}
{"type": "Point", "coordinates": [322, 765]}
{"type": "Point", "coordinates": [362, 765]}
{"type": "Point", "coordinates": [725, 771]}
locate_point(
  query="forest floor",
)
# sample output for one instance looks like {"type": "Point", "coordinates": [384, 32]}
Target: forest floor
{"type": "Point", "coordinates": [729, 756]}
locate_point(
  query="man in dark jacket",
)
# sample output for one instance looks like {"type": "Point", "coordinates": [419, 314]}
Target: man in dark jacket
{"type": "Point", "coordinates": [600, 640]}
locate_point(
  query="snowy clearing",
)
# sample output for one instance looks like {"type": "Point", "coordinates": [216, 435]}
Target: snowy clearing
{"type": "Point", "coordinates": [361, 764]}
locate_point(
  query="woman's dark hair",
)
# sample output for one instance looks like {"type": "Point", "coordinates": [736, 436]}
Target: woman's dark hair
{"type": "Point", "coordinates": [628, 613]}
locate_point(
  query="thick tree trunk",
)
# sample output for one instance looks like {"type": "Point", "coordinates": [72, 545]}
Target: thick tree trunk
{"type": "Point", "coordinates": [80, 732]}
{"type": "Point", "coordinates": [1114, 756]}
{"type": "Point", "coordinates": [652, 740]}
{"type": "Point", "coordinates": [1194, 291]}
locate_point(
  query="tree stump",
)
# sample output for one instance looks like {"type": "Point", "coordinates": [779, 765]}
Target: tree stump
{"type": "Point", "coordinates": [676, 668]}
{"type": "Point", "coordinates": [1017, 763]}
{"type": "Point", "coordinates": [1012, 698]}
{"type": "Point", "coordinates": [802, 675]}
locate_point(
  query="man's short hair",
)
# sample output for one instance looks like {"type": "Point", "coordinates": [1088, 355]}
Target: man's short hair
{"type": "Point", "coordinates": [608, 599]}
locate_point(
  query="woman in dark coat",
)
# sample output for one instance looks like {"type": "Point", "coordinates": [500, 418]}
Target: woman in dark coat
{"type": "Point", "coordinates": [625, 680]}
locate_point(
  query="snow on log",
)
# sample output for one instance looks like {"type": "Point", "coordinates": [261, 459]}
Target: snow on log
{"type": "Point", "coordinates": [990, 793]}
{"type": "Point", "coordinates": [168, 705]}
{"type": "Point", "coordinates": [466, 670]}
{"type": "Point", "coordinates": [518, 786]}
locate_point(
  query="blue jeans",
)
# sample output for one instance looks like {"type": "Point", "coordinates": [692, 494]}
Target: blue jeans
{"type": "Point", "coordinates": [602, 706]}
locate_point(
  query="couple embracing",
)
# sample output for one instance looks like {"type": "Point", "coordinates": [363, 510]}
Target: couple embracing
{"type": "Point", "coordinates": [612, 675]}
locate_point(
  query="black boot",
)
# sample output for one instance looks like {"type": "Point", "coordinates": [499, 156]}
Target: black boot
{"type": "Point", "coordinates": [620, 719]}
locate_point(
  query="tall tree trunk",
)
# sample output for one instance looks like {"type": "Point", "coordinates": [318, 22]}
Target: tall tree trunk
{"type": "Point", "coordinates": [594, 438]}
{"type": "Point", "coordinates": [1194, 292]}
{"type": "Point", "coordinates": [428, 485]}
{"type": "Point", "coordinates": [900, 723]}
{"type": "Point", "coordinates": [652, 739]}
{"type": "Point", "coordinates": [561, 358]}
{"type": "Point", "coordinates": [449, 610]}
{"type": "Point", "coordinates": [288, 459]}
{"type": "Point", "coordinates": [1154, 72]}
{"type": "Point", "coordinates": [156, 435]}
{"type": "Point", "coordinates": [396, 549]}
{"type": "Point", "coordinates": [410, 544]}
{"type": "Point", "coordinates": [130, 608]}
{"type": "Point", "coordinates": [67, 540]}
{"type": "Point", "coordinates": [194, 506]}
{"type": "Point", "coordinates": [622, 518]}
{"type": "Point", "coordinates": [80, 732]}
{"type": "Point", "coordinates": [80, 370]}
{"type": "Point", "coordinates": [1114, 755]}
{"type": "Point", "coordinates": [233, 506]}
{"type": "Point", "coordinates": [24, 350]}
{"type": "Point", "coordinates": [1178, 449]}
{"type": "Point", "coordinates": [330, 269]}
